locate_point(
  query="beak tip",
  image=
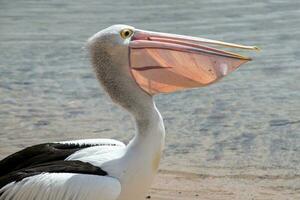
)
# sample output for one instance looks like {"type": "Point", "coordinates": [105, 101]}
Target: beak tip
{"type": "Point", "coordinates": [256, 48]}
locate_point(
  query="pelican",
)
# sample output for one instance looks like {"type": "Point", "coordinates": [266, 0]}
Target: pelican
{"type": "Point", "coordinates": [132, 66]}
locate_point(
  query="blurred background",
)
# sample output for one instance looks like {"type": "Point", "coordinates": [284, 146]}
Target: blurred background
{"type": "Point", "coordinates": [248, 122]}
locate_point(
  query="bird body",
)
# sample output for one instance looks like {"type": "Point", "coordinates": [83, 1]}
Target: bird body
{"type": "Point", "coordinates": [132, 65]}
{"type": "Point", "coordinates": [131, 169]}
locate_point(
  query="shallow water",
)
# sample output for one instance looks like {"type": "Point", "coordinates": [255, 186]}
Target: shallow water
{"type": "Point", "coordinates": [247, 123]}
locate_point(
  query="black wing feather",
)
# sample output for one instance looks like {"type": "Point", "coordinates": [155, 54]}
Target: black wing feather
{"type": "Point", "coordinates": [52, 167]}
{"type": "Point", "coordinates": [37, 154]}
{"type": "Point", "coordinates": [48, 157]}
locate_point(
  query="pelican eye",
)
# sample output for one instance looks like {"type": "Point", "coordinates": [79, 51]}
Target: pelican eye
{"type": "Point", "coordinates": [126, 33]}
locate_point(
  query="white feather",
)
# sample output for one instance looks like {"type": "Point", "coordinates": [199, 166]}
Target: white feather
{"type": "Point", "coordinates": [102, 142]}
{"type": "Point", "coordinates": [63, 186]}
{"type": "Point", "coordinates": [106, 150]}
{"type": "Point", "coordinates": [98, 155]}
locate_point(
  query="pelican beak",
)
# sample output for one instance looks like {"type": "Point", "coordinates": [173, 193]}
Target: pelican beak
{"type": "Point", "coordinates": [164, 63]}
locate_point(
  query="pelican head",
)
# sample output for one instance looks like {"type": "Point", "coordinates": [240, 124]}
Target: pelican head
{"type": "Point", "coordinates": [133, 64]}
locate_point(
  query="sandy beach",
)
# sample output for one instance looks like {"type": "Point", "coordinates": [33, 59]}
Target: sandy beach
{"type": "Point", "coordinates": [237, 139]}
{"type": "Point", "coordinates": [173, 185]}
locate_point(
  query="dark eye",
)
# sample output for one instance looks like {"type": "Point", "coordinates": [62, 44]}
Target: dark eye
{"type": "Point", "coordinates": [126, 33]}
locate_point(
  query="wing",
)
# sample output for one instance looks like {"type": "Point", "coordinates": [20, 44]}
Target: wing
{"type": "Point", "coordinates": [104, 150]}
{"type": "Point", "coordinates": [38, 154]}
{"type": "Point", "coordinates": [98, 142]}
{"type": "Point", "coordinates": [49, 152]}
{"type": "Point", "coordinates": [62, 186]}
{"type": "Point", "coordinates": [52, 158]}
{"type": "Point", "coordinates": [54, 166]}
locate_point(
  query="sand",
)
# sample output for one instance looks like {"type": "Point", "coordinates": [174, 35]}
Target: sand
{"type": "Point", "coordinates": [173, 185]}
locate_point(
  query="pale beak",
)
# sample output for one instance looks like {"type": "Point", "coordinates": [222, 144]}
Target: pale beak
{"type": "Point", "coordinates": [164, 63]}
